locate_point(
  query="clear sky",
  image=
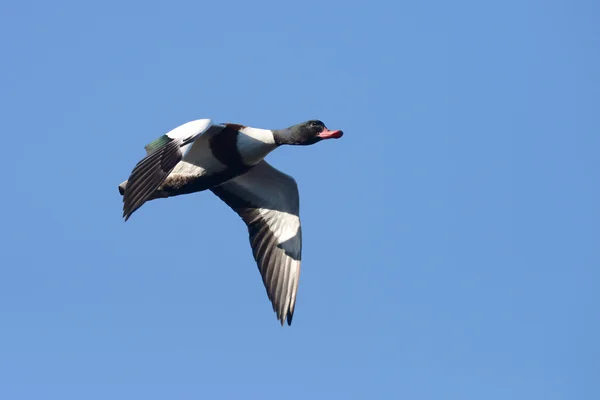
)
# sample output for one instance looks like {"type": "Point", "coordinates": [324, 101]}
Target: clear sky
{"type": "Point", "coordinates": [451, 237]}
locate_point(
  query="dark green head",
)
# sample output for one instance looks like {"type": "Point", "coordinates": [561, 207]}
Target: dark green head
{"type": "Point", "coordinates": [306, 133]}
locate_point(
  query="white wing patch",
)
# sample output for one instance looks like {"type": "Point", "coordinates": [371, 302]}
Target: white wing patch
{"type": "Point", "coordinates": [283, 225]}
{"type": "Point", "coordinates": [190, 128]}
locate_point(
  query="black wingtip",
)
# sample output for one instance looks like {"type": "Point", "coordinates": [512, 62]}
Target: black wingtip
{"type": "Point", "coordinates": [127, 212]}
{"type": "Point", "coordinates": [290, 316]}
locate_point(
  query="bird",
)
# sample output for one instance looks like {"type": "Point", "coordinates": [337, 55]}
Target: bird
{"type": "Point", "coordinates": [229, 160]}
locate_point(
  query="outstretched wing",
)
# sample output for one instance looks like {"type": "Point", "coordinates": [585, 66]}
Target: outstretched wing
{"type": "Point", "coordinates": [268, 202]}
{"type": "Point", "coordinates": [162, 155]}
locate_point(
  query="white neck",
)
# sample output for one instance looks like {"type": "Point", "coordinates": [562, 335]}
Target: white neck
{"type": "Point", "coordinates": [254, 144]}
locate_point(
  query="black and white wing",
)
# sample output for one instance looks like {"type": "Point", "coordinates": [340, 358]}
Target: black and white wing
{"type": "Point", "coordinates": [149, 174]}
{"type": "Point", "coordinates": [162, 156]}
{"type": "Point", "coordinates": [268, 202]}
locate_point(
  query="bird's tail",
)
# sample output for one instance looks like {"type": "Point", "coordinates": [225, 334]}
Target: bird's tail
{"type": "Point", "coordinates": [122, 187]}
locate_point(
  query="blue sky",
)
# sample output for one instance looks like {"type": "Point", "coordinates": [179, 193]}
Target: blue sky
{"type": "Point", "coordinates": [450, 237]}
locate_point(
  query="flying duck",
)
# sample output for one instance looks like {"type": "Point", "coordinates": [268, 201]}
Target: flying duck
{"type": "Point", "coordinates": [228, 159]}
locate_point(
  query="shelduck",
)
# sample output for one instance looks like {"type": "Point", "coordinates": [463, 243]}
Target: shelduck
{"type": "Point", "coordinates": [228, 159]}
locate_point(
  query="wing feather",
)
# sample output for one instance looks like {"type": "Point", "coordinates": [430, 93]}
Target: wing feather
{"type": "Point", "coordinates": [149, 174]}
{"type": "Point", "coordinates": [162, 156]}
{"type": "Point", "coordinates": [268, 202]}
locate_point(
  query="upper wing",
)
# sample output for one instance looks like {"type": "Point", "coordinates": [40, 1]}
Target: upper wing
{"type": "Point", "coordinates": [268, 202]}
{"type": "Point", "coordinates": [149, 174]}
{"type": "Point", "coordinates": [162, 155]}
